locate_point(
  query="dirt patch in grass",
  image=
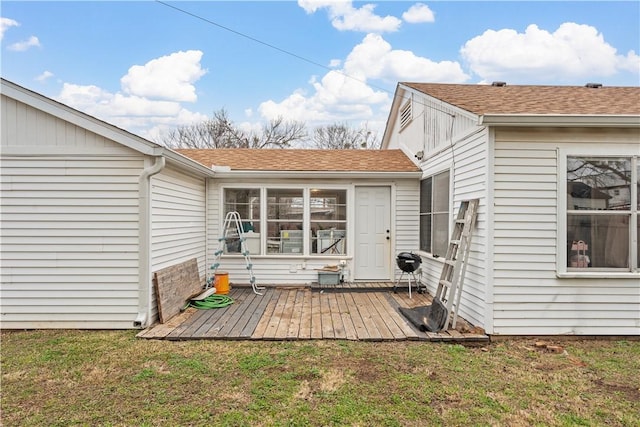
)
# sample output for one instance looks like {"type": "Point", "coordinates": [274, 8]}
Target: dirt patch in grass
{"type": "Point", "coordinates": [112, 378]}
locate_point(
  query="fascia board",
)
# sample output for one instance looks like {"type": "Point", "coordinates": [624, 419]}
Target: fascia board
{"type": "Point", "coordinates": [315, 175]}
{"type": "Point", "coordinates": [559, 120]}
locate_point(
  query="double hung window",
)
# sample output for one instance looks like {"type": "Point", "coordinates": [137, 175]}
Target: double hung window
{"type": "Point", "coordinates": [434, 214]}
{"type": "Point", "coordinates": [245, 201]}
{"type": "Point", "coordinates": [285, 213]}
{"type": "Point", "coordinates": [602, 205]}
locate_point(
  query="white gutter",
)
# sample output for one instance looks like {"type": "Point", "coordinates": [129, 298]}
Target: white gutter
{"type": "Point", "coordinates": [559, 120]}
{"type": "Point", "coordinates": [144, 243]}
{"type": "Point", "coordinates": [261, 174]}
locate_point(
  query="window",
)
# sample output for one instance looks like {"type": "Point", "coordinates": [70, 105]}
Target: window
{"type": "Point", "coordinates": [328, 212]}
{"type": "Point", "coordinates": [285, 211]}
{"type": "Point", "coordinates": [602, 213]}
{"type": "Point", "coordinates": [247, 203]}
{"type": "Point", "coordinates": [434, 214]}
{"type": "Point", "coordinates": [297, 221]}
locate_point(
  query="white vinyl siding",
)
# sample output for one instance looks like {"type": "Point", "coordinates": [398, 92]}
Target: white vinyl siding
{"type": "Point", "coordinates": [529, 297]}
{"type": "Point", "coordinates": [69, 230]}
{"type": "Point", "coordinates": [26, 130]}
{"type": "Point", "coordinates": [178, 219]}
{"type": "Point", "coordinates": [178, 222]}
{"type": "Point", "coordinates": [433, 128]}
{"type": "Point", "coordinates": [404, 214]}
{"type": "Point", "coordinates": [69, 242]}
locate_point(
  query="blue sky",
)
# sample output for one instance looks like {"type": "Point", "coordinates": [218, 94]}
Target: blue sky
{"type": "Point", "coordinates": [149, 66]}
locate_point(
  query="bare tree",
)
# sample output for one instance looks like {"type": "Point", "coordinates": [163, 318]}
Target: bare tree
{"type": "Point", "coordinates": [339, 136]}
{"type": "Point", "coordinates": [220, 132]}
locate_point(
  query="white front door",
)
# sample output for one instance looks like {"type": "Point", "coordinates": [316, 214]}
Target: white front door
{"type": "Point", "coordinates": [372, 258]}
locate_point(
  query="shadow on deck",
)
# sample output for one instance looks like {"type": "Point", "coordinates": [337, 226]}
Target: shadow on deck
{"type": "Point", "coordinates": [365, 312]}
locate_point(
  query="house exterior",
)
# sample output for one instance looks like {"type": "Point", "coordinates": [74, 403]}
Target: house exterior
{"type": "Point", "coordinates": [305, 209]}
{"type": "Point", "coordinates": [557, 171]}
{"type": "Point", "coordinates": [89, 212]}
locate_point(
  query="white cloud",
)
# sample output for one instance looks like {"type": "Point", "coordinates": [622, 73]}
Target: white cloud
{"type": "Point", "coordinates": [46, 75]}
{"type": "Point", "coordinates": [168, 77]}
{"type": "Point", "coordinates": [376, 59]}
{"type": "Point", "coordinates": [5, 24]}
{"type": "Point", "coordinates": [345, 17]}
{"type": "Point", "coordinates": [572, 51]}
{"type": "Point", "coordinates": [347, 94]}
{"type": "Point", "coordinates": [631, 63]}
{"type": "Point", "coordinates": [144, 108]}
{"type": "Point", "coordinates": [25, 45]}
{"type": "Point", "coordinates": [419, 13]}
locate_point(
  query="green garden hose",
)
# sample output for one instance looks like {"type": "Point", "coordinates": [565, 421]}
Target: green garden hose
{"type": "Point", "coordinates": [212, 301]}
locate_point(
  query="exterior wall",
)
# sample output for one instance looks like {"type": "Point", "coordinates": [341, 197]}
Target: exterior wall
{"type": "Point", "coordinates": [298, 270]}
{"type": "Point", "coordinates": [178, 221]}
{"type": "Point", "coordinates": [468, 166]}
{"type": "Point", "coordinates": [69, 224]}
{"type": "Point", "coordinates": [529, 297]}
{"type": "Point", "coordinates": [434, 128]}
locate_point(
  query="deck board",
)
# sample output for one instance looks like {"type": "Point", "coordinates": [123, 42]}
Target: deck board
{"type": "Point", "coordinates": [365, 312]}
{"type": "Point", "coordinates": [316, 317]}
{"type": "Point", "coordinates": [358, 322]}
{"type": "Point", "coordinates": [339, 331]}
{"type": "Point", "coordinates": [257, 314]}
{"type": "Point", "coordinates": [347, 320]}
{"type": "Point", "coordinates": [305, 317]}
{"type": "Point", "coordinates": [361, 303]}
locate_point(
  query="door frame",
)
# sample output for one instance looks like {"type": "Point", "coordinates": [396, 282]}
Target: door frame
{"type": "Point", "coordinates": [389, 263]}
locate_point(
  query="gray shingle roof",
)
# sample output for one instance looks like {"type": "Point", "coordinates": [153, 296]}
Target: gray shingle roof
{"type": "Point", "coordinates": [303, 160]}
{"type": "Point", "coordinates": [519, 99]}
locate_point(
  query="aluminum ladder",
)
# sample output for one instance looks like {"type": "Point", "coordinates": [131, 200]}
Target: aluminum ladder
{"type": "Point", "coordinates": [455, 264]}
{"type": "Point", "coordinates": [232, 230]}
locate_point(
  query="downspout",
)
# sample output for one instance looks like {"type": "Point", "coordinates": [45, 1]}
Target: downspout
{"type": "Point", "coordinates": [144, 242]}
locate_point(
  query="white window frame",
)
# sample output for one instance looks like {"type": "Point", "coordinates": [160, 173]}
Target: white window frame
{"type": "Point", "coordinates": [562, 270]}
{"type": "Point", "coordinates": [306, 217]}
{"type": "Point", "coordinates": [449, 208]}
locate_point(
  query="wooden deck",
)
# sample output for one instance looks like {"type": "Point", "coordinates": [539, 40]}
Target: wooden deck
{"type": "Point", "coordinates": [366, 312]}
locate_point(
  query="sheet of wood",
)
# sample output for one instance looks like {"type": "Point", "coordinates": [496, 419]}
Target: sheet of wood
{"type": "Point", "coordinates": [175, 286]}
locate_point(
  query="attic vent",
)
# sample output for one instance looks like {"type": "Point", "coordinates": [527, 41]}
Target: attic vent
{"type": "Point", "coordinates": [593, 85]}
{"type": "Point", "coordinates": [499, 84]}
{"type": "Point", "coordinates": [405, 115]}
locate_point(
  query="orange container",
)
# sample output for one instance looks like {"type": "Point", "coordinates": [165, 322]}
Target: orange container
{"type": "Point", "coordinates": [222, 282]}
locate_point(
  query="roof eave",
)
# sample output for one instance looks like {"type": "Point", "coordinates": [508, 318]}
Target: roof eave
{"type": "Point", "coordinates": [563, 120]}
{"type": "Point", "coordinates": [187, 163]}
{"type": "Point", "coordinates": [261, 174]}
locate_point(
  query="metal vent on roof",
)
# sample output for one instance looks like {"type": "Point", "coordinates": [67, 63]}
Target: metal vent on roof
{"type": "Point", "coordinates": [593, 85]}
{"type": "Point", "coordinates": [499, 84]}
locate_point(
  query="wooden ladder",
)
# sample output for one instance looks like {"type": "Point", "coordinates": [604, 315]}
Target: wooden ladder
{"type": "Point", "coordinates": [233, 231]}
{"type": "Point", "coordinates": [455, 265]}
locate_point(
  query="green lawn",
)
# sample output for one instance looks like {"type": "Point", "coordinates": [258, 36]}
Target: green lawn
{"type": "Point", "coordinates": [111, 378]}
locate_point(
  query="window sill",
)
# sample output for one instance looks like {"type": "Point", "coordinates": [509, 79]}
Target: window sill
{"type": "Point", "coordinates": [430, 256]}
{"type": "Point", "coordinates": [597, 275]}
{"type": "Point", "coordinates": [291, 256]}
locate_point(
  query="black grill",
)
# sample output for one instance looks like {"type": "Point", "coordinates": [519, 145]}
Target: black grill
{"type": "Point", "coordinates": [408, 262]}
